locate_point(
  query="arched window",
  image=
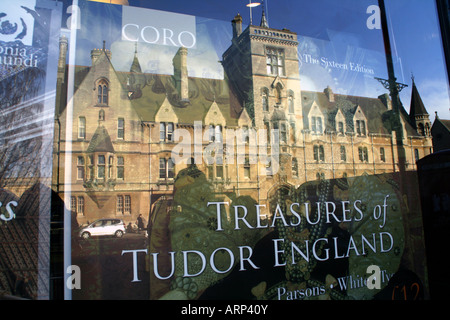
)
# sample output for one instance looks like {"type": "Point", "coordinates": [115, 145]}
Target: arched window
{"type": "Point", "coordinates": [278, 94]}
{"type": "Point", "coordinates": [421, 129]}
{"type": "Point", "coordinates": [102, 92]}
{"type": "Point", "coordinates": [291, 103]}
{"type": "Point", "coordinates": [427, 129]}
{"type": "Point", "coordinates": [101, 115]}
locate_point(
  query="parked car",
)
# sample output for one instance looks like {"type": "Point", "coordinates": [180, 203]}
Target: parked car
{"type": "Point", "coordinates": [104, 227]}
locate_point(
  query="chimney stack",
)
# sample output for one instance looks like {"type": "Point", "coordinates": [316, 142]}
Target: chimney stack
{"type": "Point", "coordinates": [180, 73]}
{"type": "Point", "coordinates": [237, 26]}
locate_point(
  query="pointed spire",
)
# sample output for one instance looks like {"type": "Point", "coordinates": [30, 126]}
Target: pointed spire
{"type": "Point", "coordinates": [417, 107]}
{"type": "Point", "coordinates": [136, 66]}
{"type": "Point", "coordinates": [264, 22]}
{"type": "Point", "coordinates": [418, 115]}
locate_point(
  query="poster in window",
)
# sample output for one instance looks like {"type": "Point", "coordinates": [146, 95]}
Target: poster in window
{"type": "Point", "coordinates": [29, 33]}
{"type": "Point", "coordinates": [206, 167]}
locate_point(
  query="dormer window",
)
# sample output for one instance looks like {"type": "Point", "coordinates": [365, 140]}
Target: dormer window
{"type": "Point", "coordinates": [340, 127]}
{"type": "Point", "coordinates": [360, 122]}
{"type": "Point", "coordinates": [316, 125]}
{"type": "Point", "coordinates": [360, 127]}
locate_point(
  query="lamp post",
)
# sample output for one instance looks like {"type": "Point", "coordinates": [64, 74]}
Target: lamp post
{"type": "Point", "coordinates": [394, 89]}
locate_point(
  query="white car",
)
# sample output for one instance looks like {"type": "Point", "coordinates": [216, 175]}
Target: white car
{"type": "Point", "coordinates": [104, 227]}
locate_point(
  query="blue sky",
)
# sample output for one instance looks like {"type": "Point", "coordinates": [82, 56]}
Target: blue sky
{"type": "Point", "coordinates": [335, 31]}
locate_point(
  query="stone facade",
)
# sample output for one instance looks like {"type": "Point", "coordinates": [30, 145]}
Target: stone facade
{"type": "Point", "coordinates": [117, 135]}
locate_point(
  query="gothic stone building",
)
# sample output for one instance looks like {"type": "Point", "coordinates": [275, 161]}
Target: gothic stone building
{"type": "Point", "coordinates": [113, 159]}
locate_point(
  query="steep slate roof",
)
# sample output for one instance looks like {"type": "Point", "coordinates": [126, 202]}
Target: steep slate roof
{"type": "Point", "coordinates": [445, 123]}
{"type": "Point", "coordinates": [417, 107]}
{"type": "Point", "coordinates": [203, 92]}
{"type": "Point", "coordinates": [374, 110]}
{"type": "Point", "coordinates": [101, 141]}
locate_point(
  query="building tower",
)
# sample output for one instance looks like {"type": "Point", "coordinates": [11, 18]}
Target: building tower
{"type": "Point", "coordinates": [263, 71]}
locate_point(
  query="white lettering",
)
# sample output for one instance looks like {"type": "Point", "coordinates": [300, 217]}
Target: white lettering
{"type": "Point", "coordinates": [153, 35]}
{"type": "Point", "coordinates": [74, 280]}
{"type": "Point", "coordinates": [374, 21]}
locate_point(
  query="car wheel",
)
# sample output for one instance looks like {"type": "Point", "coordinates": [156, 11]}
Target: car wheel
{"type": "Point", "coordinates": [85, 235]}
{"type": "Point", "coordinates": [119, 234]}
